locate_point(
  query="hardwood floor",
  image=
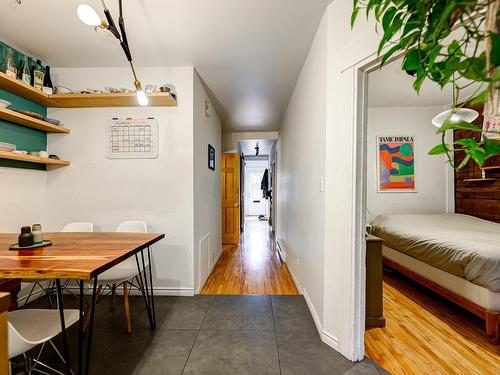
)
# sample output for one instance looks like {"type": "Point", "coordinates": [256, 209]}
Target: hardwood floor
{"type": "Point", "coordinates": [425, 334]}
{"type": "Point", "coordinates": [254, 267]}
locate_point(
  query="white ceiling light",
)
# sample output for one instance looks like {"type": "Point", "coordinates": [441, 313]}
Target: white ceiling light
{"type": "Point", "coordinates": [455, 115]}
{"type": "Point", "coordinates": [88, 15]}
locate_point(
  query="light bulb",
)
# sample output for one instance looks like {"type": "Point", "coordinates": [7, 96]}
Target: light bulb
{"type": "Point", "coordinates": [142, 99]}
{"type": "Point", "coordinates": [454, 117]}
{"type": "Point", "coordinates": [88, 15]}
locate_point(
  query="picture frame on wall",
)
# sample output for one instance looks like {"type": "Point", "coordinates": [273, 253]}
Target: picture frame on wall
{"type": "Point", "coordinates": [396, 164]}
{"type": "Point", "coordinates": [211, 157]}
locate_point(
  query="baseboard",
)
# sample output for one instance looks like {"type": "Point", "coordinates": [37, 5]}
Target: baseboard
{"type": "Point", "coordinates": [158, 291]}
{"type": "Point", "coordinates": [281, 250]}
{"type": "Point", "coordinates": [330, 340]}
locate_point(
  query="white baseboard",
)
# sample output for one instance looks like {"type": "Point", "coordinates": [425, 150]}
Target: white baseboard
{"type": "Point", "coordinates": [281, 250]}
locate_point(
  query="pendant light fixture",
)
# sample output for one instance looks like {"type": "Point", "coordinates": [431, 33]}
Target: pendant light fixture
{"type": "Point", "coordinates": [455, 114]}
{"type": "Point", "coordinates": [89, 16]}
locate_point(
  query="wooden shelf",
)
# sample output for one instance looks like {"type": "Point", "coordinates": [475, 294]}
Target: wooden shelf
{"type": "Point", "coordinates": [30, 122]}
{"type": "Point", "coordinates": [479, 179]}
{"type": "Point", "coordinates": [26, 91]}
{"type": "Point", "coordinates": [33, 159]}
{"type": "Point", "coordinates": [156, 99]}
{"type": "Point", "coordinates": [490, 168]}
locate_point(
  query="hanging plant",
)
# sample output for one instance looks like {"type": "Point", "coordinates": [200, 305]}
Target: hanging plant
{"type": "Point", "coordinates": [448, 42]}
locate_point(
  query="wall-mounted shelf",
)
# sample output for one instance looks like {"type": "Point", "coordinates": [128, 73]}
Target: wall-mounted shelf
{"type": "Point", "coordinates": [490, 168]}
{"type": "Point", "coordinates": [33, 159]}
{"type": "Point", "coordinates": [156, 99]}
{"type": "Point", "coordinates": [26, 91]}
{"type": "Point", "coordinates": [479, 179]}
{"type": "Point", "coordinates": [30, 122]}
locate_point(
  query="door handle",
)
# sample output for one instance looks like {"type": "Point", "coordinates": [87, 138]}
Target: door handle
{"type": "Point", "coordinates": [236, 205]}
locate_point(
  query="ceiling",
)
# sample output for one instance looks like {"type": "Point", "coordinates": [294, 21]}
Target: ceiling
{"type": "Point", "coordinates": [265, 146]}
{"type": "Point", "coordinates": [249, 53]}
{"type": "Point", "coordinates": [393, 87]}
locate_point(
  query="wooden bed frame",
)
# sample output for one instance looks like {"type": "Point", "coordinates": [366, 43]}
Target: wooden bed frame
{"type": "Point", "coordinates": [492, 318]}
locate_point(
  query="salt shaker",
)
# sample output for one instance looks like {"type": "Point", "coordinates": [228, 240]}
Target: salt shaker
{"type": "Point", "coordinates": [37, 233]}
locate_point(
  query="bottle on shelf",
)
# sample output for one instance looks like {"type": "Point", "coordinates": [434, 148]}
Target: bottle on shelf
{"type": "Point", "coordinates": [47, 82]}
{"type": "Point", "coordinates": [37, 75]}
{"type": "Point", "coordinates": [23, 73]}
{"type": "Point", "coordinates": [10, 64]}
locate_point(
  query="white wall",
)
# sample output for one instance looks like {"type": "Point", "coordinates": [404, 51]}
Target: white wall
{"type": "Point", "coordinates": [301, 165]}
{"type": "Point", "coordinates": [430, 171]}
{"type": "Point", "coordinates": [159, 191]}
{"type": "Point", "coordinates": [207, 183]}
{"type": "Point", "coordinates": [23, 202]}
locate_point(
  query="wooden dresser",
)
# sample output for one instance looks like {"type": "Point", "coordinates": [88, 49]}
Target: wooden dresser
{"type": "Point", "coordinates": [374, 289]}
{"type": "Point", "coordinates": [12, 286]}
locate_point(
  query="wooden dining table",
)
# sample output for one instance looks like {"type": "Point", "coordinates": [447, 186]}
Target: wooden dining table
{"type": "Point", "coordinates": [81, 257]}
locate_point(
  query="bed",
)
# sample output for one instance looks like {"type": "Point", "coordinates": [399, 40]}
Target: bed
{"type": "Point", "coordinates": [457, 256]}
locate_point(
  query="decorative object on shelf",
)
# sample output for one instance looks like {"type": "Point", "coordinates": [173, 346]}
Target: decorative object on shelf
{"type": "Point", "coordinates": [211, 157]}
{"type": "Point", "coordinates": [10, 64]}
{"type": "Point", "coordinates": [7, 146]}
{"type": "Point", "coordinates": [88, 15]}
{"type": "Point", "coordinates": [150, 88]}
{"type": "Point", "coordinates": [34, 153]}
{"type": "Point", "coordinates": [62, 90]}
{"type": "Point", "coordinates": [52, 121]}
{"type": "Point", "coordinates": [20, 152]}
{"type": "Point", "coordinates": [36, 231]}
{"type": "Point", "coordinates": [37, 76]}
{"type": "Point", "coordinates": [26, 237]}
{"type": "Point", "coordinates": [4, 103]}
{"type": "Point", "coordinates": [54, 157]}
{"type": "Point", "coordinates": [24, 74]}
{"type": "Point", "coordinates": [44, 243]}
{"type": "Point", "coordinates": [396, 164]}
{"type": "Point", "coordinates": [48, 88]}
{"type": "Point", "coordinates": [29, 113]}
{"type": "Point", "coordinates": [43, 154]}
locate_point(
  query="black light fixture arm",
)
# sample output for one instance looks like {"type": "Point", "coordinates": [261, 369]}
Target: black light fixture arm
{"type": "Point", "coordinates": [120, 35]}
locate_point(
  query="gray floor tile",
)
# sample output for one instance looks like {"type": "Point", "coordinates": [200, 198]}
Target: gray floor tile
{"type": "Point", "coordinates": [147, 352]}
{"type": "Point", "coordinates": [239, 313]}
{"type": "Point", "coordinates": [366, 367]}
{"type": "Point", "coordinates": [179, 312]}
{"type": "Point", "coordinates": [303, 353]}
{"type": "Point", "coordinates": [234, 352]}
{"type": "Point", "coordinates": [292, 314]}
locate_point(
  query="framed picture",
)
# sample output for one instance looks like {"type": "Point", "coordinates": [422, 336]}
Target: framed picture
{"type": "Point", "coordinates": [396, 164]}
{"type": "Point", "coordinates": [211, 157]}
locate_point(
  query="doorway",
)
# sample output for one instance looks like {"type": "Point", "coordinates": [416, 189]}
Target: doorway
{"type": "Point", "coordinates": [256, 200]}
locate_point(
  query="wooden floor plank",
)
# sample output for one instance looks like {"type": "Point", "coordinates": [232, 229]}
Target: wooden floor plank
{"type": "Point", "coordinates": [254, 267]}
{"type": "Point", "coordinates": [426, 334]}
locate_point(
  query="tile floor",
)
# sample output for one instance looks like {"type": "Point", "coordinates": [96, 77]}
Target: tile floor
{"type": "Point", "coordinates": [215, 335]}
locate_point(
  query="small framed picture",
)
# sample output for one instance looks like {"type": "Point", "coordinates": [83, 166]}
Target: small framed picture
{"type": "Point", "coordinates": [211, 157]}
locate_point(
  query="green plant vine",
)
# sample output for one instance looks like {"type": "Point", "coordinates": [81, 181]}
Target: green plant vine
{"type": "Point", "coordinates": [449, 42]}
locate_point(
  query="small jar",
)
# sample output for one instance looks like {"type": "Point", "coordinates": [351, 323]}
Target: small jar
{"type": "Point", "coordinates": [26, 237]}
{"type": "Point", "coordinates": [37, 233]}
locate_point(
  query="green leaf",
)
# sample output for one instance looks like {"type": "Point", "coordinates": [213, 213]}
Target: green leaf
{"type": "Point", "coordinates": [467, 142]}
{"type": "Point", "coordinates": [411, 60]}
{"type": "Point", "coordinates": [464, 162]}
{"type": "Point", "coordinates": [463, 125]}
{"type": "Point", "coordinates": [481, 97]}
{"type": "Point", "coordinates": [478, 155]}
{"type": "Point", "coordinates": [491, 146]}
{"type": "Point", "coordinates": [495, 49]}
{"type": "Point", "coordinates": [439, 149]}
{"type": "Point", "coordinates": [389, 54]}
{"type": "Point", "coordinates": [354, 15]}
{"type": "Point", "coordinates": [388, 16]}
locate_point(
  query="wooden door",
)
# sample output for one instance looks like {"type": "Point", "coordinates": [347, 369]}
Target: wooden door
{"type": "Point", "coordinates": [230, 187]}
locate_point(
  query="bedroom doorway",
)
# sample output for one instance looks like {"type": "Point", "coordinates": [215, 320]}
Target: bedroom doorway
{"type": "Point", "coordinates": [400, 180]}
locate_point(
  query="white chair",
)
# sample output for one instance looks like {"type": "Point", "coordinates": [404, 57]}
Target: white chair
{"type": "Point", "coordinates": [122, 273]}
{"type": "Point", "coordinates": [78, 227]}
{"type": "Point", "coordinates": [48, 289]}
{"type": "Point", "coordinates": [32, 327]}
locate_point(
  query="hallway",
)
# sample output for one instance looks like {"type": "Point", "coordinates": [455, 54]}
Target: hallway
{"type": "Point", "coordinates": [254, 267]}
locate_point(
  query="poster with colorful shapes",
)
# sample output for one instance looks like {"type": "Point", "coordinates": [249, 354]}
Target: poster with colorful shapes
{"type": "Point", "coordinates": [396, 164]}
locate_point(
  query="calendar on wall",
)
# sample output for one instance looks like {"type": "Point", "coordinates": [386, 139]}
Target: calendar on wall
{"type": "Point", "coordinates": [132, 138]}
